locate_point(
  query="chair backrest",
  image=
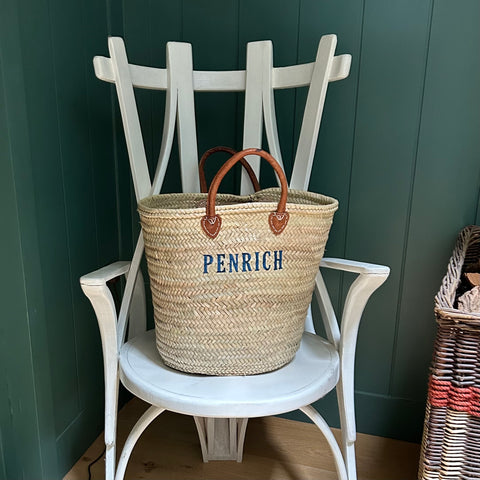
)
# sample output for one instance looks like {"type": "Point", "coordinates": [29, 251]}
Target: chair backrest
{"type": "Point", "coordinates": [180, 81]}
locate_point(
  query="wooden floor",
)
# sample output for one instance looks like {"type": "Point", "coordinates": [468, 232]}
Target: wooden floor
{"type": "Point", "coordinates": [275, 448]}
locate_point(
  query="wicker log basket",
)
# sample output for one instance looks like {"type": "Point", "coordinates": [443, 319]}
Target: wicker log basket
{"type": "Point", "coordinates": [451, 437]}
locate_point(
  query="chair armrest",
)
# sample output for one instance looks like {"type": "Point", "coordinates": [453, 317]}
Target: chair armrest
{"type": "Point", "coordinates": [354, 267]}
{"type": "Point", "coordinates": [370, 277]}
{"type": "Point", "coordinates": [104, 274]}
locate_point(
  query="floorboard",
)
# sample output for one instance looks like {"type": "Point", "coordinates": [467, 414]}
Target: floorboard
{"type": "Point", "coordinates": [275, 448]}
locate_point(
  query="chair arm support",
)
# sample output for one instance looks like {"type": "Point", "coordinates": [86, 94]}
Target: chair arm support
{"type": "Point", "coordinates": [354, 267]}
{"type": "Point", "coordinates": [104, 274]}
{"type": "Point", "coordinates": [102, 302]}
{"type": "Point", "coordinates": [369, 279]}
{"type": "Point", "coordinates": [94, 285]}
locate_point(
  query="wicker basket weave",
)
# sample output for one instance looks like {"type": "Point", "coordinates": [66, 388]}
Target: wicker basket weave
{"type": "Point", "coordinates": [451, 436]}
{"type": "Point", "coordinates": [233, 304]}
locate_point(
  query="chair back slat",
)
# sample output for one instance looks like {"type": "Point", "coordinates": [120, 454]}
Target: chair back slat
{"type": "Point", "coordinates": [131, 122]}
{"type": "Point", "coordinates": [253, 119]}
{"type": "Point", "coordinates": [180, 67]}
{"type": "Point", "coordinates": [167, 140]}
{"type": "Point", "coordinates": [307, 142]}
{"type": "Point", "coordinates": [268, 101]}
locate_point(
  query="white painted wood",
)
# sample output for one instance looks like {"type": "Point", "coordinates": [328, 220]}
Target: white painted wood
{"type": "Point", "coordinates": [307, 141]}
{"type": "Point", "coordinates": [128, 292]}
{"type": "Point", "coordinates": [137, 322]}
{"type": "Point", "coordinates": [242, 430]}
{"type": "Point", "coordinates": [326, 310]}
{"type": "Point", "coordinates": [221, 406]}
{"type": "Point", "coordinates": [104, 306]}
{"type": "Point", "coordinates": [131, 122]}
{"type": "Point", "coordinates": [167, 138]}
{"type": "Point", "coordinates": [202, 436]}
{"type": "Point", "coordinates": [309, 327]}
{"type": "Point", "coordinates": [318, 420]}
{"type": "Point", "coordinates": [357, 297]}
{"type": "Point", "coordinates": [253, 120]}
{"type": "Point", "coordinates": [232, 427]}
{"type": "Point", "coordinates": [370, 277]}
{"type": "Point", "coordinates": [219, 438]}
{"type": "Point", "coordinates": [103, 275]}
{"type": "Point", "coordinates": [143, 422]}
{"type": "Point", "coordinates": [348, 445]}
{"type": "Point", "coordinates": [311, 374]}
{"type": "Point", "coordinates": [223, 439]}
{"type": "Point", "coordinates": [269, 117]}
{"type": "Point", "coordinates": [179, 58]}
{"type": "Point", "coordinates": [152, 78]}
{"type": "Point", "coordinates": [354, 266]}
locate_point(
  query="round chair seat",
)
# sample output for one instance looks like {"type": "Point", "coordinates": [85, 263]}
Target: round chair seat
{"type": "Point", "coordinates": [312, 373]}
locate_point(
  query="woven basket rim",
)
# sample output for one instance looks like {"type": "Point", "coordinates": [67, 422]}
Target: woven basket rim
{"type": "Point", "coordinates": [235, 202]}
{"type": "Point", "coordinates": [445, 298]}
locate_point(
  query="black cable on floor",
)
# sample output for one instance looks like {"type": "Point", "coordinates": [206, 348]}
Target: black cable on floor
{"type": "Point", "coordinates": [94, 462]}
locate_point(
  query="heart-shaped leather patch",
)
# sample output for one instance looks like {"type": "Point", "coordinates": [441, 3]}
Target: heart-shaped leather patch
{"type": "Point", "coordinates": [211, 225]}
{"type": "Point", "coordinates": [278, 222]}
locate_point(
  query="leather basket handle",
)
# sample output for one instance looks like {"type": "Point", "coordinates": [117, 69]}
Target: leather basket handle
{"type": "Point", "coordinates": [277, 220]}
{"type": "Point", "coordinates": [231, 151]}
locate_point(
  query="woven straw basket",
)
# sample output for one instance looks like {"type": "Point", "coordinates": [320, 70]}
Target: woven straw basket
{"type": "Point", "coordinates": [451, 436]}
{"type": "Point", "coordinates": [232, 276]}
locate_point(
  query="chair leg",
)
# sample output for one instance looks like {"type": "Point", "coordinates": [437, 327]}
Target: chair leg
{"type": "Point", "coordinates": [221, 438]}
{"type": "Point", "coordinates": [111, 405]}
{"type": "Point", "coordinates": [348, 439]}
{"type": "Point", "coordinates": [143, 422]}
{"type": "Point", "coordinates": [318, 420]}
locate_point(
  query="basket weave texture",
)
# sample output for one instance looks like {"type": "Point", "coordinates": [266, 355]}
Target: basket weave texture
{"type": "Point", "coordinates": [451, 436]}
{"type": "Point", "coordinates": [234, 304]}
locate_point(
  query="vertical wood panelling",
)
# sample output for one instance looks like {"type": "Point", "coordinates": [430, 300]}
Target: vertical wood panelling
{"type": "Point", "coordinates": [27, 420]}
{"type": "Point", "coordinates": [333, 158]}
{"type": "Point", "coordinates": [393, 55]}
{"type": "Point", "coordinates": [19, 427]}
{"type": "Point", "coordinates": [77, 180]}
{"type": "Point", "coordinates": [446, 182]}
{"type": "Point", "coordinates": [100, 132]}
{"type": "Point", "coordinates": [89, 198]}
{"type": "Point", "coordinates": [49, 192]}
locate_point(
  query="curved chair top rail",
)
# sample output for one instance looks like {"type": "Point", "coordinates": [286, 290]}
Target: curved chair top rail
{"type": "Point", "coordinates": [153, 78]}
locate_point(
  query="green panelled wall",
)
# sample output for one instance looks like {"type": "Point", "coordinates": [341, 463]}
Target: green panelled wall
{"type": "Point", "coordinates": [399, 147]}
{"type": "Point", "coordinates": [58, 181]}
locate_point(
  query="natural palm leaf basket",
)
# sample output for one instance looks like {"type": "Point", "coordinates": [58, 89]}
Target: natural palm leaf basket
{"type": "Point", "coordinates": [451, 437]}
{"type": "Point", "coordinates": [232, 276]}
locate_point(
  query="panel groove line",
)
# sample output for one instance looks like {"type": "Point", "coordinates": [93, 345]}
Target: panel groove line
{"type": "Point", "coordinates": [26, 447]}
{"type": "Point", "coordinates": [344, 281]}
{"type": "Point", "coordinates": [65, 207]}
{"type": "Point", "coordinates": [295, 93]}
{"type": "Point", "coordinates": [409, 208]}
{"type": "Point", "coordinates": [446, 182]}
{"type": "Point", "coordinates": [344, 287]}
{"type": "Point", "coordinates": [390, 85]}
{"type": "Point", "coordinates": [48, 177]}
{"type": "Point", "coordinates": [87, 72]}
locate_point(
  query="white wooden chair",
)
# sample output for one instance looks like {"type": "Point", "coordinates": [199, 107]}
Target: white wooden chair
{"type": "Point", "coordinates": [221, 406]}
